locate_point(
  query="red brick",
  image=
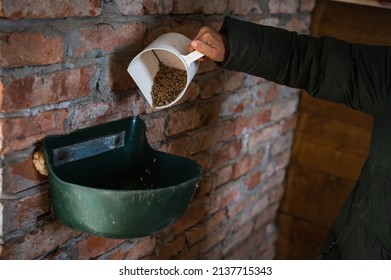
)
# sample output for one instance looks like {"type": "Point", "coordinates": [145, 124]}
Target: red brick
{"type": "Point", "coordinates": [41, 123]}
{"type": "Point", "coordinates": [155, 129]}
{"type": "Point", "coordinates": [44, 89]}
{"type": "Point", "coordinates": [284, 142]}
{"type": "Point", "coordinates": [284, 109]}
{"type": "Point", "coordinates": [272, 92]}
{"type": "Point", "coordinates": [224, 197]}
{"type": "Point", "coordinates": [178, 146]}
{"type": "Point", "coordinates": [241, 217]}
{"type": "Point", "coordinates": [267, 249]}
{"type": "Point", "coordinates": [24, 48]}
{"type": "Point", "coordinates": [228, 130]}
{"type": "Point", "coordinates": [281, 161]}
{"type": "Point", "coordinates": [274, 21]}
{"type": "Point", "coordinates": [243, 252]}
{"type": "Point", "coordinates": [246, 123]}
{"type": "Point", "coordinates": [254, 180]}
{"type": "Point", "coordinates": [182, 121]}
{"type": "Point", "coordinates": [206, 185]}
{"type": "Point", "coordinates": [260, 118]}
{"type": "Point", "coordinates": [223, 175]}
{"type": "Point", "coordinates": [207, 65]}
{"type": "Point", "coordinates": [261, 95]}
{"type": "Point", "coordinates": [49, 8]}
{"type": "Point", "coordinates": [158, 7]}
{"type": "Point", "coordinates": [274, 180]}
{"type": "Point", "coordinates": [283, 6]}
{"type": "Point", "coordinates": [202, 159]}
{"type": "Point", "coordinates": [22, 132]}
{"type": "Point", "coordinates": [192, 216]}
{"type": "Point", "coordinates": [92, 113]}
{"type": "Point", "coordinates": [139, 248]}
{"type": "Point", "coordinates": [130, 8]}
{"type": "Point", "coordinates": [192, 253]}
{"type": "Point", "coordinates": [20, 212]}
{"type": "Point", "coordinates": [93, 246]}
{"type": "Point", "coordinates": [239, 236]}
{"type": "Point", "coordinates": [191, 94]}
{"type": "Point", "coordinates": [214, 222]}
{"type": "Point", "coordinates": [107, 39]}
{"type": "Point", "coordinates": [289, 124]}
{"type": "Point", "coordinates": [236, 103]}
{"type": "Point", "coordinates": [235, 209]}
{"type": "Point", "coordinates": [264, 135]}
{"type": "Point", "coordinates": [266, 216]}
{"type": "Point", "coordinates": [172, 249]}
{"type": "Point", "coordinates": [276, 194]}
{"type": "Point", "coordinates": [189, 28]}
{"type": "Point", "coordinates": [227, 152]}
{"type": "Point", "coordinates": [257, 207]}
{"type": "Point", "coordinates": [251, 80]}
{"type": "Point", "coordinates": [268, 253]}
{"type": "Point", "coordinates": [245, 7]}
{"type": "Point", "coordinates": [244, 165]}
{"type": "Point", "coordinates": [278, 163]}
{"type": "Point", "coordinates": [201, 6]}
{"type": "Point", "coordinates": [233, 80]}
{"type": "Point", "coordinates": [298, 24]}
{"type": "Point", "coordinates": [215, 254]}
{"type": "Point", "coordinates": [119, 78]}
{"type": "Point", "coordinates": [212, 85]}
{"type": "Point", "coordinates": [209, 112]}
{"type": "Point", "coordinates": [271, 230]}
{"type": "Point", "coordinates": [213, 239]}
{"type": "Point", "coordinates": [127, 104]}
{"type": "Point", "coordinates": [204, 139]}
{"type": "Point", "coordinates": [19, 173]}
{"type": "Point", "coordinates": [38, 242]}
{"type": "Point", "coordinates": [307, 5]}
{"type": "Point", "coordinates": [195, 234]}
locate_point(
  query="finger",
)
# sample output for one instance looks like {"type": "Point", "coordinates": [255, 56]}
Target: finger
{"type": "Point", "coordinates": [201, 47]}
{"type": "Point", "coordinates": [203, 30]}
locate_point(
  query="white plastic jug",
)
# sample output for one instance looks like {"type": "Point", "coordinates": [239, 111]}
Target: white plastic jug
{"type": "Point", "coordinates": [172, 50]}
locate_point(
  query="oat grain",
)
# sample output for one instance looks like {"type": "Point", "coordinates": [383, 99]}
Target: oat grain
{"type": "Point", "coordinates": [167, 85]}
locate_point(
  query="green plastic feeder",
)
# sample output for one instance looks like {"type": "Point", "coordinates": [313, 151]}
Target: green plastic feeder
{"type": "Point", "coordinates": [108, 181]}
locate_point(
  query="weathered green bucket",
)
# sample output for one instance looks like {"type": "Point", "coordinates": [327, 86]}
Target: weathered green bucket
{"type": "Point", "coordinates": [108, 181]}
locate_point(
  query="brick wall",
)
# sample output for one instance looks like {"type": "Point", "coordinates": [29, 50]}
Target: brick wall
{"type": "Point", "coordinates": [63, 68]}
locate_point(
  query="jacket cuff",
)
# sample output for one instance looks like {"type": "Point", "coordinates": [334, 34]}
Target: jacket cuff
{"type": "Point", "coordinates": [242, 50]}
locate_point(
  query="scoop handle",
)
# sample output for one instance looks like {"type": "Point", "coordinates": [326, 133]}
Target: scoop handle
{"type": "Point", "coordinates": [193, 56]}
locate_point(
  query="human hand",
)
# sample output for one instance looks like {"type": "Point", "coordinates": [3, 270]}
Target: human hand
{"type": "Point", "coordinates": [211, 43]}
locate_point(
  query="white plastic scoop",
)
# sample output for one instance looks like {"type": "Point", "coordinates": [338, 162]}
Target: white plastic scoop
{"type": "Point", "coordinates": [172, 50]}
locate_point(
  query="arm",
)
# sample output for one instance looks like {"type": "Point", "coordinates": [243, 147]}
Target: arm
{"type": "Point", "coordinates": [356, 75]}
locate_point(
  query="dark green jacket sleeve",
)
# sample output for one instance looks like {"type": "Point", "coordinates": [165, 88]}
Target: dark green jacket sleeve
{"type": "Point", "coordinates": [331, 69]}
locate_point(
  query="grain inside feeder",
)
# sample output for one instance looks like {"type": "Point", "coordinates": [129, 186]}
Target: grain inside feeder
{"type": "Point", "coordinates": [167, 85]}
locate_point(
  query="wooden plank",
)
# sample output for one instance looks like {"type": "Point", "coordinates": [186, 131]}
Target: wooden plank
{"type": "Point", "coordinates": [298, 239]}
{"type": "Point", "coordinates": [340, 135]}
{"type": "Point", "coordinates": [372, 3]}
{"type": "Point", "coordinates": [314, 196]}
{"type": "Point", "coordinates": [333, 111]}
